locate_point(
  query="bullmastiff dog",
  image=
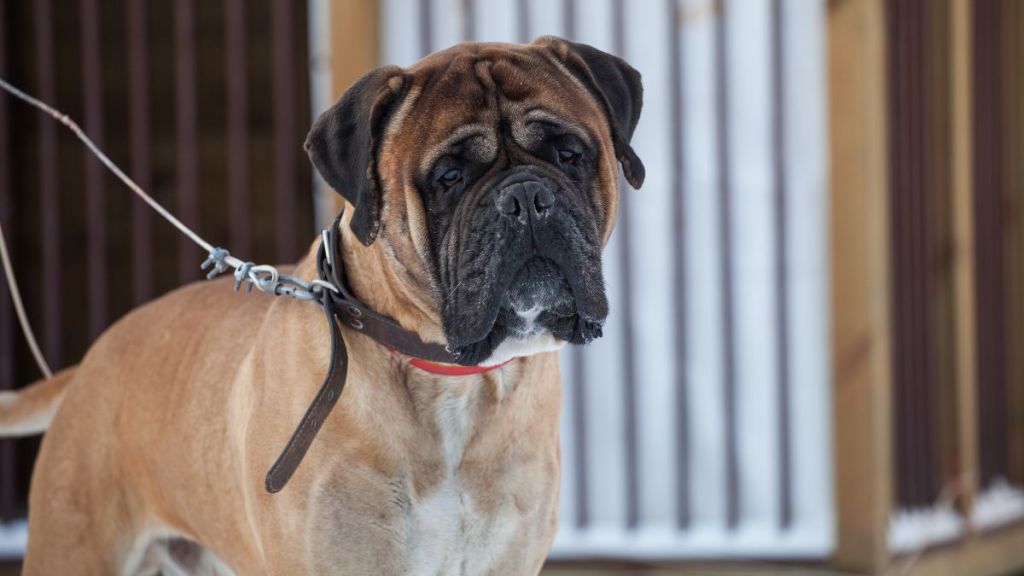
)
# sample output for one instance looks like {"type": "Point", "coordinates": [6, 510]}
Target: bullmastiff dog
{"type": "Point", "coordinates": [480, 186]}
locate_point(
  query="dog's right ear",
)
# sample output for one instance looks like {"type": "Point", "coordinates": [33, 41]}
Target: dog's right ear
{"type": "Point", "coordinates": [344, 142]}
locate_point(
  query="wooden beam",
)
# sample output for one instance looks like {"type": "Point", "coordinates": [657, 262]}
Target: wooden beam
{"type": "Point", "coordinates": [860, 282]}
{"type": "Point", "coordinates": [963, 251]}
{"type": "Point", "coordinates": [997, 552]}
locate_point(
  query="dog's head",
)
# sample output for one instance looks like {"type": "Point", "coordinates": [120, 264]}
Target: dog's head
{"type": "Point", "coordinates": [490, 173]}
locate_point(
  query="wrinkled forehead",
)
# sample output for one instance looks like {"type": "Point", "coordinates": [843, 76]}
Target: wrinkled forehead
{"type": "Point", "coordinates": [464, 97]}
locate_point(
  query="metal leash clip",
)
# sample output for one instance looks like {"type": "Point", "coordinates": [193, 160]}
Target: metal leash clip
{"type": "Point", "coordinates": [266, 278]}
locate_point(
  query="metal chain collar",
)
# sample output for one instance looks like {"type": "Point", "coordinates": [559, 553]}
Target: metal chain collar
{"type": "Point", "coordinates": [267, 278]}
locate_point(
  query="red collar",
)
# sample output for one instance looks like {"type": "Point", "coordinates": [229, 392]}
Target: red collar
{"type": "Point", "coordinates": [453, 369]}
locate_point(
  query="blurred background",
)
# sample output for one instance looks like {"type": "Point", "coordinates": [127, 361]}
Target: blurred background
{"type": "Point", "coordinates": [815, 357]}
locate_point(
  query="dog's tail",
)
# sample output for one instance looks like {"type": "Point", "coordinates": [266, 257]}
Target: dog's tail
{"type": "Point", "coordinates": [29, 410]}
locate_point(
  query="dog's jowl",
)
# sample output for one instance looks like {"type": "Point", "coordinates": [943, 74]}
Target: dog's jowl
{"type": "Point", "coordinates": [480, 187]}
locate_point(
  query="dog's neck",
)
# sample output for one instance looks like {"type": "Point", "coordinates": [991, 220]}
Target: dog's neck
{"type": "Point", "coordinates": [394, 285]}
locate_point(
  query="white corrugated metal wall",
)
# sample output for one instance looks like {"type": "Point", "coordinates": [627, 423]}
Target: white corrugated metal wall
{"type": "Point", "coordinates": [699, 426]}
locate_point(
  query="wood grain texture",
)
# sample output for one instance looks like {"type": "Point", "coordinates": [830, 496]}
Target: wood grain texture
{"type": "Point", "coordinates": [860, 282]}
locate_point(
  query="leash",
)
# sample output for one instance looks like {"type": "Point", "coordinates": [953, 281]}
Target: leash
{"type": "Point", "coordinates": [329, 290]}
{"type": "Point", "coordinates": [19, 308]}
{"type": "Point", "coordinates": [340, 306]}
{"type": "Point", "coordinates": [263, 276]}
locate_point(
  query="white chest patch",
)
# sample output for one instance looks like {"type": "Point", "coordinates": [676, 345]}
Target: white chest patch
{"type": "Point", "coordinates": [448, 534]}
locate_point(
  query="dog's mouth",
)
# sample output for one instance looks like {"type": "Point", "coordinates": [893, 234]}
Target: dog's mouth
{"type": "Point", "coordinates": [539, 311]}
{"type": "Point", "coordinates": [538, 299]}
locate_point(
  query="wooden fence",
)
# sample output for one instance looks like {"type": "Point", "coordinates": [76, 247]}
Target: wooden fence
{"type": "Point", "coordinates": [204, 103]}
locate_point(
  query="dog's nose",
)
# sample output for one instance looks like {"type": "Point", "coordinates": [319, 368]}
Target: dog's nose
{"type": "Point", "coordinates": [525, 200]}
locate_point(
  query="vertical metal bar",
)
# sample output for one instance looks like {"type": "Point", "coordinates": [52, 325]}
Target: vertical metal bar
{"type": "Point", "coordinates": [237, 103]}
{"type": "Point", "coordinates": [426, 27]}
{"type": "Point", "coordinates": [569, 18]}
{"type": "Point", "coordinates": [187, 133]}
{"type": "Point", "coordinates": [8, 462]}
{"type": "Point", "coordinates": [138, 136]}
{"type": "Point", "coordinates": [625, 271]}
{"type": "Point", "coordinates": [679, 262]}
{"type": "Point", "coordinates": [468, 20]}
{"type": "Point", "coordinates": [95, 196]}
{"type": "Point", "coordinates": [781, 266]}
{"type": "Point", "coordinates": [523, 20]}
{"type": "Point", "coordinates": [49, 197]}
{"type": "Point", "coordinates": [284, 128]}
{"type": "Point", "coordinates": [725, 241]}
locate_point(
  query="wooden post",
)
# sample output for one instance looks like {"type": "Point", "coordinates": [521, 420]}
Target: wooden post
{"type": "Point", "coordinates": [963, 251]}
{"type": "Point", "coordinates": [860, 282]}
{"type": "Point", "coordinates": [354, 39]}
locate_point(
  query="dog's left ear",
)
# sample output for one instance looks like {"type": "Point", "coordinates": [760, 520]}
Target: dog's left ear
{"type": "Point", "coordinates": [616, 85]}
{"type": "Point", "coordinates": [344, 142]}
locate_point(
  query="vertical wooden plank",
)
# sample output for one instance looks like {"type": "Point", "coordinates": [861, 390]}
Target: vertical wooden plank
{"type": "Point", "coordinates": [860, 282]}
{"type": "Point", "coordinates": [939, 123]}
{"type": "Point", "coordinates": [646, 226]}
{"type": "Point", "coordinates": [139, 136]}
{"type": "Point", "coordinates": [236, 67]}
{"type": "Point", "coordinates": [705, 296]}
{"type": "Point", "coordinates": [95, 195]}
{"type": "Point", "coordinates": [285, 140]}
{"type": "Point", "coordinates": [753, 252]}
{"type": "Point", "coordinates": [8, 463]}
{"type": "Point", "coordinates": [187, 135]}
{"type": "Point", "coordinates": [806, 156]}
{"type": "Point", "coordinates": [446, 19]}
{"type": "Point", "coordinates": [1013, 262]}
{"type": "Point", "coordinates": [546, 17]}
{"type": "Point", "coordinates": [600, 364]}
{"type": "Point", "coordinates": [355, 46]}
{"type": "Point", "coordinates": [49, 195]}
{"type": "Point", "coordinates": [898, 80]}
{"type": "Point", "coordinates": [963, 248]}
{"type": "Point", "coordinates": [988, 230]}
{"type": "Point", "coordinates": [495, 21]}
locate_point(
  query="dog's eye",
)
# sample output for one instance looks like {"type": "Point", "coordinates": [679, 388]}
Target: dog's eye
{"type": "Point", "coordinates": [450, 178]}
{"type": "Point", "coordinates": [567, 156]}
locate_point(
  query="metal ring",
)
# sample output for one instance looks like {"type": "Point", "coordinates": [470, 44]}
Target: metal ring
{"type": "Point", "coordinates": [354, 311]}
{"type": "Point", "coordinates": [357, 324]}
{"type": "Point", "coordinates": [326, 240]}
{"type": "Point", "coordinates": [324, 284]}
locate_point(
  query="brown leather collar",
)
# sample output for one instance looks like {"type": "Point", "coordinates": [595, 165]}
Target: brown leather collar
{"type": "Point", "coordinates": [358, 316]}
{"type": "Point", "coordinates": [342, 306]}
